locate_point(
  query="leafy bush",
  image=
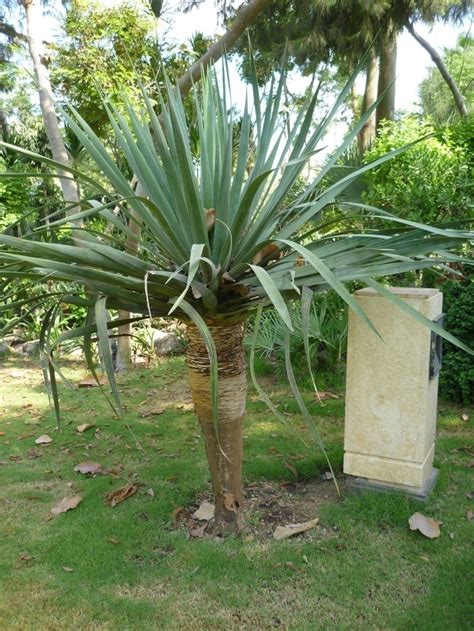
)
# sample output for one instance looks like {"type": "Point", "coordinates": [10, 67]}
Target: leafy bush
{"type": "Point", "coordinates": [457, 374]}
{"type": "Point", "coordinates": [327, 336]}
{"type": "Point", "coordinates": [430, 182]}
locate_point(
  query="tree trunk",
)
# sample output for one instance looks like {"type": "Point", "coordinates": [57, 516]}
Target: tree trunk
{"type": "Point", "coordinates": [367, 133]}
{"type": "Point", "coordinates": [50, 119]}
{"type": "Point", "coordinates": [224, 444]}
{"type": "Point", "coordinates": [387, 75]}
{"type": "Point", "coordinates": [451, 83]}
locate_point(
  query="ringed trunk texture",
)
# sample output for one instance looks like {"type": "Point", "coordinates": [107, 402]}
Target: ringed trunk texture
{"type": "Point", "coordinates": [387, 76]}
{"type": "Point", "coordinates": [224, 444]}
{"type": "Point", "coordinates": [367, 133]}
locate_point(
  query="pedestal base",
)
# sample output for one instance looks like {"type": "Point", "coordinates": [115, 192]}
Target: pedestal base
{"type": "Point", "coordinates": [364, 484]}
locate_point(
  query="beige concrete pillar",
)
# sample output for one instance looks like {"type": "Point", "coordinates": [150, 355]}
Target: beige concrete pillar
{"type": "Point", "coordinates": [391, 400]}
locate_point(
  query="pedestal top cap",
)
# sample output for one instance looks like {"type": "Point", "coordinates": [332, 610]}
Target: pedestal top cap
{"type": "Point", "coordinates": [401, 292]}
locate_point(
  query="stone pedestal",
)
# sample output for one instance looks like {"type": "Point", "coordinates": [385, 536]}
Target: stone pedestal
{"type": "Point", "coordinates": [391, 400]}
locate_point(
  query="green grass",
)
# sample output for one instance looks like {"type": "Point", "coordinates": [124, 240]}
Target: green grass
{"type": "Point", "coordinates": [362, 569]}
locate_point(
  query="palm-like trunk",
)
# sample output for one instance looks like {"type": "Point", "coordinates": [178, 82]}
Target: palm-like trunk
{"type": "Point", "coordinates": [367, 133]}
{"type": "Point", "coordinates": [224, 443]}
{"type": "Point", "coordinates": [387, 76]}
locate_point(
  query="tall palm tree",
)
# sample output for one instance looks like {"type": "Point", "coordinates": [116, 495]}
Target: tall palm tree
{"type": "Point", "coordinates": [219, 242]}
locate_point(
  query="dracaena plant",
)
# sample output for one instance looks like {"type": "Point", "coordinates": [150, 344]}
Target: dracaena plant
{"type": "Point", "coordinates": [219, 241]}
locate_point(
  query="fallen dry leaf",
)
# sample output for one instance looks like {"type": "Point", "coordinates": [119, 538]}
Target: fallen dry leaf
{"type": "Point", "coordinates": [470, 495]}
{"type": "Point", "coordinates": [292, 468]}
{"type": "Point", "coordinates": [113, 540]}
{"type": "Point", "coordinates": [426, 525]}
{"type": "Point", "coordinates": [176, 512]}
{"type": "Point", "coordinates": [2, 433]}
{"type": "Point", "coordinates": [90, 382]}
{"type": "Point", "coordinates": [283, 532]}
{"type": "Point", "coordinates": [327, 475]}
{"type": "Point", "coordinates": [150, 492]}
{"type": "Point", "coordinates": [152, 412]}
{"type": "Point", "coordinates": [326, 395]}
{"type": "Point", "coordinates": [88, 468]}
{"type": "Point", "coordinates": [25, 557]}
{"type": "Point", "coordinates": [67, 503]}
{"type": "Point", "coordinates": [470, 514]}
{"type": "Point", "coordinates": [119, 495]}
{"type": "Point", "coordinates": [67, 569]}
{"type": "Point", "coordinates": [465, 417]}
{"type": "Point", "coordinates": [198, 533]}
{"type": "Point", "coordinates": [43, 440]}
{"type": "Point", "coordinates": [205, 512]}
{"type": "Point", "coordinates": [80, 429]}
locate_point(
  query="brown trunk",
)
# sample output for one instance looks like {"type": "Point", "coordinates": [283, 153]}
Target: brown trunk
{"type": "Point", "coordinates": [367, 133]}
{"type": "Point", "coordinates": [224, 443]}
{"type": "Point", "coordinates": [387, 75]}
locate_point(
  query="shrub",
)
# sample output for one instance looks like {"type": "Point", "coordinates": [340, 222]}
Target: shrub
{"type": "Point", "coordinates": [457, 374]}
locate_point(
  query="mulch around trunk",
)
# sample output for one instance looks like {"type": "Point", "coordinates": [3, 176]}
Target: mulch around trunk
{"type": "Point", "coordinates": [268, 505]}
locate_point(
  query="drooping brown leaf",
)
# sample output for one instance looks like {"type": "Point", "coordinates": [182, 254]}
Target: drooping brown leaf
{"type": "Point", "coordinates": [119, 495]}
{"type": "Point", "coordinates": [210, 218]}
{"type": "Point", "coordinates": [88, 468]}
{"type": "Point", "coordinates": [283, 532]}
{"type": "Point", "coordinates": [270, 252]}
{"type": "Point", "coordinates": [44, 439]}
{"type": "Point", "coordinates": [205, 512]}
{"type": "Point", "coordinates": [90, 382]}
{"type": "Point", "coordinates": [80, 429]}
{"type": "Point", "coordinates": [67, 503]}
{"type": "Point", "coordinates": [426, 525]}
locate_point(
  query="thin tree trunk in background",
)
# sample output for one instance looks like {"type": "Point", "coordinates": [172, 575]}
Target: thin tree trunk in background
{"type": "Point", "coordinates": [387, 75]}
{"type": "Point", "coordinates": [451, 83]}
{"type": "Point", "coordinates": [50, 119]}
{"type": "Point", "coordinates": [367, 133]}
{"type": "Point", "coordinates": [224, 443]}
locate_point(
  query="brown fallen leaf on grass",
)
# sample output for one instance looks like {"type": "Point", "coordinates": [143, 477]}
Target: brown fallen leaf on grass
{"type": "Point", "coordinates": [2, 433]}
{"type": "Point", "coordinates": [292, 468]}
{"type": "Point", "coordinates": [326, 395]}
{"type": "Point", "coordinates": [205, 512]}
{"type": "Point", "coordinates": [176, 512]}
{"type": "Point", "coordinates": [80, 429]}
{"type": "Point", "coordinates": [464, 416]}
{"type": "Point", "coordinates": [426, 525]}
{"type": "Point", "coordinates": [67, 569]}
{"type": "Point", "coordinates": [67, 503]}
{"type": "Point", "coordinates": [283, 532]}
{"type": "Point", "coordinates": [113, 541]}
{"type": "Point", "coordinates": [470, 495]}
{"type": "Point", "coordinates": [327, 475]}
{"type": "Point", "coordinates": [470, 514]}
{"type": "Point", "coordinates": [152, 412]}
{"type": "Point", "coordinates": [88, 468]}
{"type": "Point", "coordinates": [90, 381]}
{"type": "Point", "coordinates": [119, 495]}
{"type": "Point", "coordinates": [25, 557]}
{"type": "Point", "coordinates": [44, 439]}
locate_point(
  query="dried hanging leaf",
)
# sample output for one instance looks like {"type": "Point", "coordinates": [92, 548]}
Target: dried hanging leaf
{"type": "Point", "coordinates": [67, 503]}
{"type": "Point", "coordinates": [210, 218]}
{"type": "Point", "coordinates": [80, 429]}
{"type": "Point", "coordinates": [426, 525]}
{"type": "Point", "coordinates": [90, 382]}
{"type": "Point", "coordinates": [270, 252]}
{"type": "Point", "coordinates": [205, 512]}
{"type": "Point", "coordinates": [88, 468]}
{"type": "Point", "coordinates": [43, 440]}
{"type": "Point", "coordinates": [119, 495]}
{"type": "Point", "coordinates": [283, 532]}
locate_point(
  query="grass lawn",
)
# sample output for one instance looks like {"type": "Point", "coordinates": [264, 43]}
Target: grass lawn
{"type": "Point", "coordinates": [133, 568]}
